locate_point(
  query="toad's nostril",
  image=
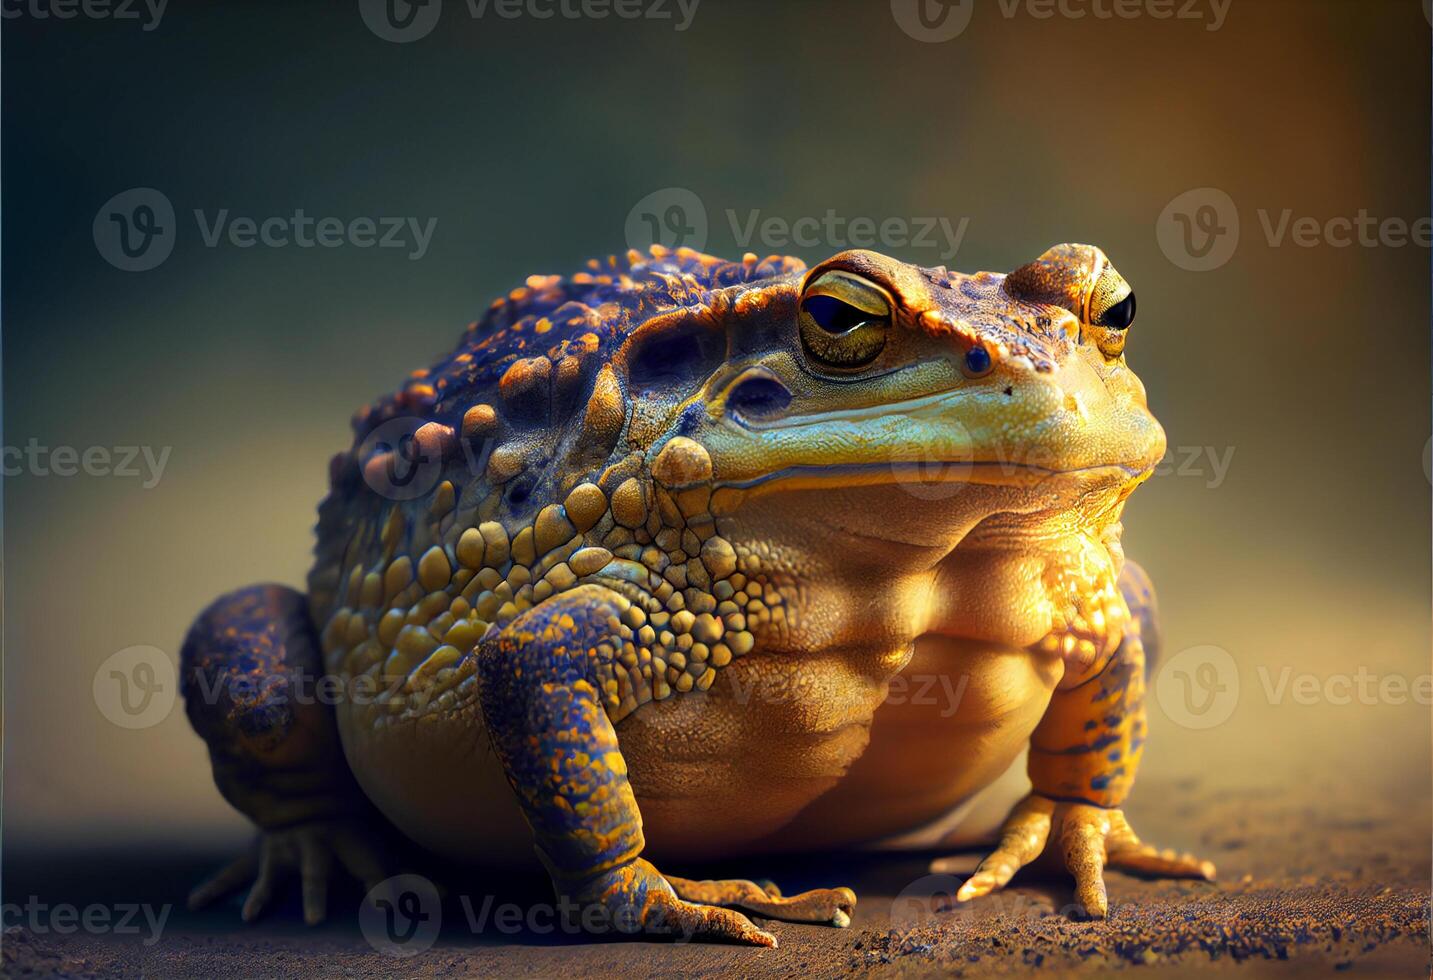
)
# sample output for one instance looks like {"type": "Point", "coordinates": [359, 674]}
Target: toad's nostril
{"type": "Point", "coordinates": [758, 395]}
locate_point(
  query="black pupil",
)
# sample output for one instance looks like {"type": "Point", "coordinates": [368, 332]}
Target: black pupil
{"type": "Point", "coordinates": [1121, 315]}
{"type": "Point", "coordinates": [977, 360]}
{"type": "Point", "coordinates": [832, 315]}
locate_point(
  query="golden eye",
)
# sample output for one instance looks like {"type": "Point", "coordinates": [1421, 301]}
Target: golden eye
{"type": "Point", "coordinates": [1111, 311]}
{"type": "Point", "coordinates": [844, 320]}
{"type": "Point", "coordinates": [1116, 316]}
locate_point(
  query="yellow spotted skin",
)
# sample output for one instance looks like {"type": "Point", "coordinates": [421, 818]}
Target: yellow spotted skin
{"type": "Point", "coordinates": [648, 567]}
{"type": "Point", "coordinates": [403, 628]}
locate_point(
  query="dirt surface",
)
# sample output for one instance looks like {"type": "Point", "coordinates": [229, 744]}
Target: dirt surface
{"type": "Point", "coordinates": [1305, 887]}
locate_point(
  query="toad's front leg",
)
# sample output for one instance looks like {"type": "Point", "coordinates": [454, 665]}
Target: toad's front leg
{"type": "Point", "coordinates": [546, 683]}
{"type": "Point", "coordinates": [1083, 757]}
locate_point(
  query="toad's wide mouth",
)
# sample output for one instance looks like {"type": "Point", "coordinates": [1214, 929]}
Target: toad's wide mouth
{"type": "Point", "coordinates": [994, 473]}
{"type": "Point", "coordinates": [1047, 437]}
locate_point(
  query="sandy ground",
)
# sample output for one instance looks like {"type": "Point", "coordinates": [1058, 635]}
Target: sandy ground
{"type": "Point", "coordinates": [1304, 887]}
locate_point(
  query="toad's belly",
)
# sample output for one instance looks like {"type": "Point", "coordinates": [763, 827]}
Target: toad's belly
{"type": "Point", "coordinates": [788, 755]}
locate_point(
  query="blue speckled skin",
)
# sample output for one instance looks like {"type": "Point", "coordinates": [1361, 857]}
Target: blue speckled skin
{"type": "Point", "coordinates": [548, 725]}
{"type": "Point", "coordinates": [248, 673]}
{"type": "Point", "coordinates": [623, 291]}
{"type": "Point", "coordinates": [579, 322]}
{"type": "Point", "coordinates": [591, 313]}
{"type": "Point", "coordinates": [1138, 591]}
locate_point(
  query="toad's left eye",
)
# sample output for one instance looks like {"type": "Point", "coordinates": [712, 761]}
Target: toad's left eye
{"type": "Point", "coordinates": [1119, 315]}
{"type": "Point", "coordinates": [844, 320]}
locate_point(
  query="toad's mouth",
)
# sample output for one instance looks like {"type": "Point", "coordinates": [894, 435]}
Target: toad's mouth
{"type": "Point", "coordinates": [1051, 440]}
{"type": "Point", "coordinates": [914, 473]}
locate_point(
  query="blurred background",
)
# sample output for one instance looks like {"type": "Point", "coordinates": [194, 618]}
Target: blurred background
{"type": "Point", "coordinates": [1227, 157]}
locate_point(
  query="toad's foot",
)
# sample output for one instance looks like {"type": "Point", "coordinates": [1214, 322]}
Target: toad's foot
{"type": "Point", "coordinates": [831, 905]}
{"type": "Point", "coordinates": [308, 849]}
{"type": "Point", "coordinates": [636, 900]}
{"type": "Point", "coordinates": [1089, 837]}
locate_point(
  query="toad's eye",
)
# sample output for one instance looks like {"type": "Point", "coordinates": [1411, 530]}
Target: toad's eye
{"type": "Point", "coordinates": [844, 320]}
{"type": "Point", "coordinates": [1117, 316]}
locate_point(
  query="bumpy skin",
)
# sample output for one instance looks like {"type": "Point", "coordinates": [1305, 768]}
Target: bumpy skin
{"type": "Point", "coordinates": [651, 546]}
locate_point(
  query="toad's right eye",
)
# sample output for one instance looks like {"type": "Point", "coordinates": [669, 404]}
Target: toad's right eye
{"type": "Point", "coordinates": [844, 320]}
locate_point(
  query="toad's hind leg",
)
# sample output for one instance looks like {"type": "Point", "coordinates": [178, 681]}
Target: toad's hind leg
{"type": "Point", "coordinates": [249, 673]}
{"type": "Point", "coordinates": [1083, 757]}
{"type": "Point", "coordinates": [547, 682]}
